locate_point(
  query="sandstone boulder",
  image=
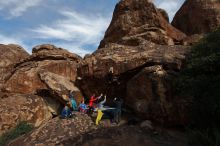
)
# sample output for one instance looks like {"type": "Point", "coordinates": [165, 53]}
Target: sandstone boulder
{"type": "Point", "coordinates": [60, 87]}
{"type": "Point", "coordinates": [57, 130]}
{"type": "Point", "coordinates": [136, 21]}
{"type": "Point", "coordinates": [198, 16]}
{"type": "Point", "coordinates": [143, 93]}
{"type": "Point", "coordinates": [150, 93]}
{"type": "Point", "coordinates": [22, 107]}
{"type": "Point", "coordinates": [126, 62]}
{"type": "Point", "coordinates": [10, 55]}
{"type": "Point", "coordinates": [25, 78]}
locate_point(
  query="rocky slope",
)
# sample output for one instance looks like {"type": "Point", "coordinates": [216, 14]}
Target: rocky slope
{"type": "Point", "coordinates": [22, 107]}
{"type": "Point", "coordinates": [198, 16]}
{"type": "Point", "coordinates": [127, 136]}
{"type": "Point", "coordinates": [56, 131]}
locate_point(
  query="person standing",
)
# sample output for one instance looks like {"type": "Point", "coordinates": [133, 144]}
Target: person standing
{"type": "Point", "coordinates": [117, 112]}
{"type": "Point", "coordinates": [73, 101]}
{"type": "Point", "coordinates": [99, 116]}
{"type": "Point", "coordinates": [91, 107]}
{"type": "Point", "coordinates": [101, 104]}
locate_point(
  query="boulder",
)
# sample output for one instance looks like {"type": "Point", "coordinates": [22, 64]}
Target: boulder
{"type": "Point", "coordinates": [136, 21]}
{"type": "Point", "coordinates": [25, 78]}
{"type": "Point", "coordinates": [198, 16]}
{"type": "Point", "coordinates": [10, 55]}
{"type": "Point", "coordinates": [150, 94]}
{"type": "Point", "coordinates": [60, 87]}
{"type": "Point", "coordinates": [22, 107]}
{"type": "Point", "coordinates": [126, 62]}
{"type": "Point", "coordinates": [56, 131]}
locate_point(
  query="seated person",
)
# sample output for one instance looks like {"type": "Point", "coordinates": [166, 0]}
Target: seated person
{"type": "Point", "coordinates": [66, 112]}
{"type": "Point", "coordinates": [83, 107]}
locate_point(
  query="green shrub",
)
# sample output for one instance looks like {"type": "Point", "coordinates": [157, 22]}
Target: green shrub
{"type": "Point", "coordinates": [20, 129]}
{"type": "Point", "coordinates": [200, 80]}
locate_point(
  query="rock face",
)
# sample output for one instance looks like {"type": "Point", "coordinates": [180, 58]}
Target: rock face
{"type": "Point", "coordinates": [18, 107]}
{"type": "Point", "coordinates": [10, 55]}
{"type": "Point", "coordinates": [149, 91]}
{"type": "Point", "coordinates": [56, 131]}
{"type": "Point", "coordinates": [136, 46]}
{"type": "Point", "coordinates": [60, 86]}
{"type": "Point", "coordinates": [198, 16]}
{"type": "Point", "coordinates": [143, 77]}
{"type": "Point", "coordinates": [25, 78]}
{"type": "Point", "coordinates": [135, 21]}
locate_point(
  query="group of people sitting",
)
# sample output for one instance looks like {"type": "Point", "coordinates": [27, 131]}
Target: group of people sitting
{"type": "Point", "coordinates": [95, 104]}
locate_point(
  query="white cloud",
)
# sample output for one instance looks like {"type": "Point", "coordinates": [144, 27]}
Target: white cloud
{"type": "Point", "coordinates": [73, 48]}
{"type": "Point", "coordinates": [8, 40]}
{"type": "Point", "coordinates": [17, 7]}
{"type": "Point", "coordinates": [23, 6]}
{"type": "Point", "coordinates": [75, 29]}
{"type": "Point", "coordinates": [13, 40]}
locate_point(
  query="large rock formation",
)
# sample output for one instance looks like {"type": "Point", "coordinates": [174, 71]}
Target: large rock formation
{"type": "Point", "coordinates": [135, 21]}
{"type": "Point", "coordinates": [128, 62]}
{"type": "Point", "coordinates": [56, 131]}
{"type": "Point", "coordinates": [18, 107]}
{"type": "Point", "coordinates": [198, 16]}
{"type": "Point", "coordinates": [25, 78]}
{"type": "Point", "coordinates": [10, 55]}
{"type": "Point", "coordinates": [137, 46]}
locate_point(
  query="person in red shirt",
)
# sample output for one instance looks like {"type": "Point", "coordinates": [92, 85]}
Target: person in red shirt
{"type": "Point", "coordinates": [91, 102]}
{"type": "Point", "coordinates": [93, 99]}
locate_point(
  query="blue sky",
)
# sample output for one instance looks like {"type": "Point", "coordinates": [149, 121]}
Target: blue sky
{"type": "Point", "coordinates": [76, 25]}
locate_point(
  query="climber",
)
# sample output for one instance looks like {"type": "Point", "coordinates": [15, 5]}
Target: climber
{"type": "Point", "coordinates": [111, 78]}
{"type": "Point", "coordinates": [73, 101]}
{"type": "Point", "coordinates": [110, 75]}
{"type": "Point", "coordinates": [66, 112]}
{"type": "Point", "coordinates": [117, 112]}
{"type": "Point", "coordinates": [99, 116]}
{"type": "Point", "coordinates": [83, 107]}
